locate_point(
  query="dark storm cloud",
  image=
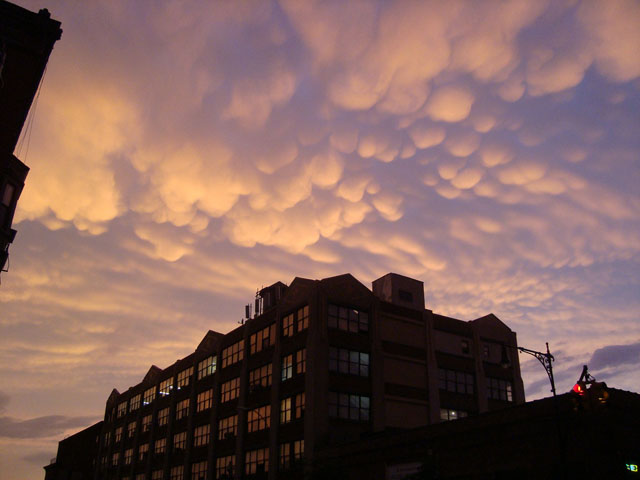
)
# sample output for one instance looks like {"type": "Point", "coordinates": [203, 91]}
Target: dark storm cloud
{"type": "Point", "coordinates": [41, 427]}
{"type": "Point", "coordinates": [614, 355]}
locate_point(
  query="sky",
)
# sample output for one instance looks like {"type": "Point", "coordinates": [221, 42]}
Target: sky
{"type": "Point", "coordinates": [184, 154]}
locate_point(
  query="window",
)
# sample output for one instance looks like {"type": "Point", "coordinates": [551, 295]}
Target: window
{"type": "Point", "coordinates": [128, 456]}
{"type": "Point", "coordinates": [131, 430]}
{"type": "Point", "coordinates": [149, 396]}
{"type": "Point", "coordinates": [233, 354]}
{"type": "Point", "coordinates": [156, 475]}
{"type": "Point", "coordinates": [115, 459]}
{"type": "Point", "coordinates": [227, 427]}
{"type": "Point", "coordinates": [146, 423]}
{"type": "Point", "coordinates": [118, 435]}
{"type": "Point", "coordinates": [287, 326]}
{"type": "Point", "coordinates": [348, 319]}
{"type": "Point", "coordinates": [230, 390]}
{"type": "Point", "coordinates": [285, 410]}
{"type": "Point", "coordinates": [302, 317]}
{"type": "Point", "coordinates": [348, 362]}
{"type": "Point", "coordinates": [160, 446]}
{"type": "Point", "coordinates": [201, 435]}
{"type": "Point", "coordinates": [298, 450]}
{"type": "Point", "coordinates": [184, 377]}
{"type": "Point", "coordinates": [7, 195]}
{"type": "Point", "coordinates": [182, 409]}
{"type": "Point", "coordinates": [262, 339]}
{"type": "Point", "coordinates": [199, 470]}
{"type": "Point", "coordinates": [299, 402]}
{"type": "Point", "coordinates": [285, 456]}
{"type": "Point", "coordinates": [349, 406]}
{"type": "Point", "coordinates": [287, 449]}
{"type": "Point", "coordinates": [449, 414]}
{"type": "Point", "coordinates": [134, 404]}
{"type": "Point", "coordinates": [301, 361]}
{"type": "Point", "coordinates": [143, 450]}
{"type": "Point", "coordinates": [204, 400]}
{"type": "Point", "coordinates": [103, 461]}
{"type": "Point", "coordinates": [485, 351]}
{"type": "Point", "coordinates": [107, 438]}
{"type": "Point", "coordinates": [225, 466]}
{"type": "Point", "coordinates": [122, 409]}
{"type": "Point", "coordinates": [287, 367]}
{"type": "Point", "coordinates": [140, 476]}
{"type": "Point", "coordinates": [176, 473]}
{"type": "Point", "coordinates": [259, 418]}
{"type": "Point", "coordinates": [256, 461]}
{"type": "Point", "coordinates": [295, 322]}
{"type": "Point", "coordinates": [163, 416]}
{"type": "Point", "coordinates": [457, 382]}
{"type": "Point", "coordinates": [207, 367]}
{"type": "Point", "coordinates": [179, 441]}
{"type": "Point", "coordinates": [464, 346]}
{"type": "Point", "coordinates": [260, 377]}
{"type": "Point", "coordinates": [500, 389]}
{"type": "Point", "coordinates": [165, 387]}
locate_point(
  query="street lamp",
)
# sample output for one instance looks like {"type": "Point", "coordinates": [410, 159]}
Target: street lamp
{"type": "Point", "coordinates": [544, 358]}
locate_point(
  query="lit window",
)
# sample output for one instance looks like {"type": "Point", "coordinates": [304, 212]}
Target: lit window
{"type": "Point", "coordinates": [349, 406]}
{"type": "Point", "coordinates": [201, 435]}
{"type": "Point", "coordinates": [259, 418]}
{"type": "Point", "coordinates": [348, 319]}
{"type": "Point", "coordinates": [115, 459]}
{"type": "Point", "coordinates": [225, 466]}
{"type": "Point", "coordinates": [146, 423]}
{"type": "Point", "coordinates": [227, 427]}
{"type": "Point", "coordinates": [160, 446]}
{"type": "Point", "coordinates": [302, 318]}
{"type": "Point", "coordinates": [233, 354]}
{"type": "Point", "coordinates": [122, 409]}
{"type": "Point", "coordinates": [165, 387]}
{"type": "Point", "coordinates": [143, 450]}
{"type": "Point", "coordinates": [348, 362]}
{"type": "Point", "coordinates": [131, 429]}
{"type": "Point", "coordinates": [285, 456]}
{"type": "Point", "coordinates": [230, 390]}
{"type": "Point", "coordinates": [107, 438]}
{"type": "Point", "coordinates": [134, 404]}
{"type": "Point", "coordinates": [260, 377]}
{"type": "Point", "coordinates": [298, 450]}
{"type": "Point", "coordinates": [285, 410]}
{"type": "Point", "coordinates": [287, 326]}
{"type": "Point", "coordinates": [204, 400]}
{"type": "Point", "coordinates": [163, 416]}
{"type": "Point", "coordinates": [156, 474]}
{"type": "Point", "coordinates": [207, 367]}
{"type": "Point", "coordinates": [128, 456]}
{"type": "Point", "coordinates": [140, 476]}
{"type": "Point", "coordinates": [301, 361]}
{"type": "Point", "coordinates": [449, 414]}
{"type": "Point", "coordinates": [287, 367]}
{"type": "Point", "coordinates": [256, 461]}
{"type": "Point", "coordinates": [118, 435]}
{"type": "Point", "coordinates": [149, 396]}
{"type": "Point", "coordinates": [184, 377]}
{"type": "Point", "coordinates": [457, 382]}
{"type": "Point", "coordinates": [500, 389]}
{"type": "Point", "coordinates": [199, 471]}
{"type": "Point", "coordinates": [179, 441]}
{"type": "Point", "coordinates": [262, 339]}
{"type": "Point", "coordinates": [299, 401]}
{"type": "Point", "coordinates": [176, 473]}
{"type": "Point", "coordinates": [182, 409]}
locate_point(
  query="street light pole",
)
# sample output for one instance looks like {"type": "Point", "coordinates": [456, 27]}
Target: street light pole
{"type": "Point", "coordinates": [545, 359]}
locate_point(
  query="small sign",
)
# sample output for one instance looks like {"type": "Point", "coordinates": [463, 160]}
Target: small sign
{"type": "Point", "coordinates": [632, 467]}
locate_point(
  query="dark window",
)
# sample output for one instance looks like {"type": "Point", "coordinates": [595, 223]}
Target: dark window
{"type": "Point", "coordinates": [405, 296]}
{"type": "Point", "coordinates": [348, 319]}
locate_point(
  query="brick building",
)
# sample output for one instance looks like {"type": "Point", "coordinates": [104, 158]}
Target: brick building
{"type": "Point", "coordinates": [320, 363]}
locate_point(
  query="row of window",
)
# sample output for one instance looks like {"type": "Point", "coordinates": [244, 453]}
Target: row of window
{"type": "Point", "coordinates": [256, 462]}
{"type": "Point", "coordinates": [350, 362]}
{"type": "Point", "coordinates": [349, 406]}
{"type": "Point", "coordinates": [347, 319]}
{"type": "Point", "coordinates": [462, 382]}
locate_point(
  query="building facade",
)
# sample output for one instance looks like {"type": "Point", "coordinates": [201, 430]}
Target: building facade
{"type": "Point", "coordinates": [26, 41]}
{"type": "Point", "coordinates": [321, 363]}
{"type": "Point", "coordinates": [76, 457]}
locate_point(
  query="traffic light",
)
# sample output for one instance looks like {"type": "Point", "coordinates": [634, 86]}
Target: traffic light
{"type": "Point", "coordinates": [598, 393]}
{"type": "Point", "coordinates": [579, 388]}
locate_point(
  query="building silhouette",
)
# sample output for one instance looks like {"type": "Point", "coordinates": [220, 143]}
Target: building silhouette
{"type": "Point", "coordinates": [26, 41]}
{"type": "Point", "coordinates": [319, 363]}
